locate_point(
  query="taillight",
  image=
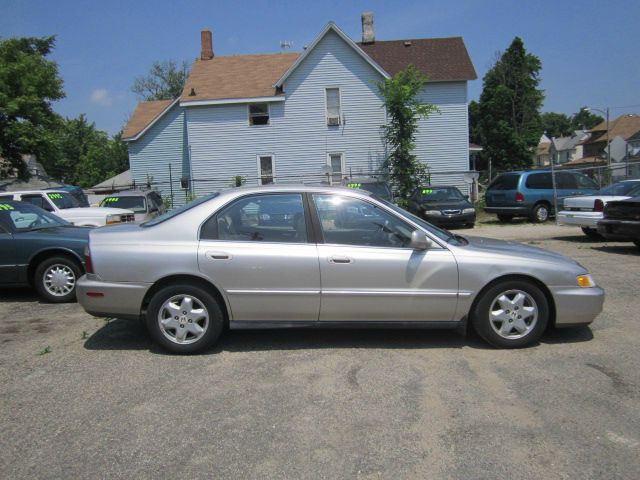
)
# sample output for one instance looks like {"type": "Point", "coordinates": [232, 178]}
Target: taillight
{"type": "Point", "coordinates": [519, 197]}
{"type": "Point", "coordinates": [598, 205]}
{"type": "Point", "coordinates": [87, 260]}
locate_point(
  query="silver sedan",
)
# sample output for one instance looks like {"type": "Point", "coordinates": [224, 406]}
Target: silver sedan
{"type": "Point", "coordinates": [300, 256]}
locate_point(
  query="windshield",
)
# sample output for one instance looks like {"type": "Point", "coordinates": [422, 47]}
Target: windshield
{"type": "Point", "coordinates": [442, 234]}
{"type": "Point", "coordinates": [439, 194]}
{"type": "Point", "coordinates": [623, 188]}
{"type": "Point", "coordinates": [179, 210]}
{"type": "Point", "coordinates": [380, 189]}
{"type": "Point", "coordinates": [22, 217]}
{"type": "Point", "coordinates": [63, 200]}
{"type": "Point", "coordinates": [136, 203]}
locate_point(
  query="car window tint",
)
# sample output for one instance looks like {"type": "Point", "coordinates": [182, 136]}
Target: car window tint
{"type": "Point", "coordinates": [4, 198]}
{"type": "Point", "coordinates": [505, 182]}
{"type": "Point", "coordinates": [136, 203]}
{"type": "Point", "coordinates": [38, 201]}
{"type": "Point", "coordinates": [566, 180]}
{"type": "Point", "coordinates": [539, 181]}
{"type": "Point", "coordinates": [261, 218]}
{"type": "Point", "coordinates": [351, 221]}
{"type": "Point", "coordinates": [586, 182]}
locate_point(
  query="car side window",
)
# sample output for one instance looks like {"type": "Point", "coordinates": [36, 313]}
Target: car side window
{"type": "Point", "coordinates": [586, 182]}
{"type": "Point", "coordinates": [4, 198]}
{"type": "Point", "coordinates": [566, 180]}
{"type": "Point", "coordinates": [39, 201]}
{"type": "Point", "coordinates": [351, 221]}
{"type": "Point", "coordinates": [260, 218]}
{"type": "Point", "coordinates": [539, 181]}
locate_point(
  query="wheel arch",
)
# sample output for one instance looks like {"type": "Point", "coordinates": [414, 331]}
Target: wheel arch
{"type": "Point", "coordinates": [42, 255]}
{"type": "Point", "coordinates": [537, 282]}
{"type": "Point", "coordinates": [190, 280]}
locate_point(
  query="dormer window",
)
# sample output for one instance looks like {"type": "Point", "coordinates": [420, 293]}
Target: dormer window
{"type": "Point", "coordinates": [258, 114]}
{"type": "Point", "coordinates": [333, 106]}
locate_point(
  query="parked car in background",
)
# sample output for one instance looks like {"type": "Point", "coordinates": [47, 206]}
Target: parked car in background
{"type": "Point", "coordinates": [442, 206]}
{"type": "Point", "coordinates": [585, 211]}
{"type": "Point", "coordinates": [77, 193]}
{"type": "Point", "coordinates": [621, 220]}
{"type": "Point", "coordinates": [370, 184]}
{"type": "Point", "coordinates": [41, 250]}
{"type": "Point", "coordinates": [530, 193]}
{"type": "Point", "coordinates": [144, 204]}
{"type": "Point", "coordinates": [65, 205]}
{"type": "Point", "coordinates": [351, 259]}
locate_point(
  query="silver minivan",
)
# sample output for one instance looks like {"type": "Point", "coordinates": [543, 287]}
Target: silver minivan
{"type": "Point", "coordinates": [144, 204]}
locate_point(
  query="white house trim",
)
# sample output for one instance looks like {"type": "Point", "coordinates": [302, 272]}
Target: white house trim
{"type": "Point", "coordinates": [152, 123]}
{"type": "Point", "coordinates": [225, 101]}
{"type": "Point", "coordinates": [331, 27]}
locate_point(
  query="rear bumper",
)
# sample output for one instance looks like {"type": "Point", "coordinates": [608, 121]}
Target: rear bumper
{"type": "Point", "coordinates": [619, 229]}
{"type": "Point", "coordinates": [122, 300]}
{"type": "Point", "coordinates": [576, 305]}
{"type": "Point", "coordinates": [582, 219]}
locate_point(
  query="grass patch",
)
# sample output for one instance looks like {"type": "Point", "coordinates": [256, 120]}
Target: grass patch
{"type": "Point", "coordinates": [45, 350]}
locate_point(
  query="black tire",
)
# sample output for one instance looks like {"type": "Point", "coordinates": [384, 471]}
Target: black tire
{"type": "Point", "coordinates": [49, 279]}
{"type": "Point", "coordinates": [592, 233]}
{"type": "Point", "coordinates": [637, 242]}
{"type": "Point", "coordinates": [482, 321]}
{"type": "Point", "coordinates": [504, 217]}
{"type": "Point", "coordinates": [540, 213]}
{"type": "Point", "coordinates": [169, 341]}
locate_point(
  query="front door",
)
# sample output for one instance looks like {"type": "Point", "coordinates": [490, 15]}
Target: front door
{"type": "Point", "coordinates": [257, 250]}
{"type": "Point", "coordinates": [368, 271]}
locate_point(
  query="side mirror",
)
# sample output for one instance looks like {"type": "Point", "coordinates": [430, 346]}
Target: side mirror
{"type": "Point", "coordinates": [419, 240]}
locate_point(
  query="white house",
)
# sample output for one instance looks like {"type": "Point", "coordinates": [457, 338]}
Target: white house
{"type": "Point", "coordinates": [310, 116]}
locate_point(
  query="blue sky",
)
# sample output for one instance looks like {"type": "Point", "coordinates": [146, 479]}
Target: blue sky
{"type": "Point", "coordinates": [589, 49]}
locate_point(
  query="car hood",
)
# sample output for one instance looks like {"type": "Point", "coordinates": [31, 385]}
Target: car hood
{"type": "Point", "coordinates": [491, 246]}
{"type": "Point", "coordinates": [62, 233]}
{"type": "Point", "coordinates": [92, 211]}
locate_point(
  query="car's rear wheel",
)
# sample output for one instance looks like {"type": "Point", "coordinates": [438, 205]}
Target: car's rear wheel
{"type": "Point", "coordinates": [511, 314]}
{"type": "Point", "coordinates": [55, 279]}
{"type": "Point", "coordinates": [184, 318]}
{"type": "Point", "coordinates": [540, 213]}
{"type": "Point", "coordinates": [504, 218]}
{"type": "Point", "coordinates": [592, 233]}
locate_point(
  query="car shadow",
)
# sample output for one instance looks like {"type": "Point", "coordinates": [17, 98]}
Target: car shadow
{"type": "Point", "coordinates": [576, 334]}
{"type": "Point", "coordinates": [578, 239]}
{"type": "Point", "coordinates": [119, 334]}
{"type": "Point", "coordinates": [18, 294]}
{"type": "Point", "coordinates": [625, 249]}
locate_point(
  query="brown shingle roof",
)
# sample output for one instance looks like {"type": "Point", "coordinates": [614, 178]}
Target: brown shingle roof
{"type": "Point", "coordinates": [239, 76]}
{"type": "Point", "coordinates": [143, 115]}
{"type": "Point", "coordinates": [624, 126]}
{"type": "Point", "coordinates": [440, 59]}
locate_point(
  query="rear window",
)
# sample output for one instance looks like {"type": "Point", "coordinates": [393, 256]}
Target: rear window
{"type": "Point", "coordinates": [505, 182]}
{"type": "Point", "coordinates": [540, 181]}
{"type": "Point", "coordinates": [178, 211]}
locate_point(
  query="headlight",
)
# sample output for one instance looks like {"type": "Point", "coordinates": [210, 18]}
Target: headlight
{"type": "Point", "coordinates": [432, 212]}
{"type": "Point", "coordinates": [469, 210]}
{"type": "Point", "coordinates": [585, 281]}
{"type": "Point", "coordinates": [113, 218]}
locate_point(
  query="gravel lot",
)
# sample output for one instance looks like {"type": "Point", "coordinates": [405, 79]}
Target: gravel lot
{"type": "Point", "coordinates": [106, 403]}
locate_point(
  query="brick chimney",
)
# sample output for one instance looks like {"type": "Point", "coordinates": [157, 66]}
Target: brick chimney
{"type": "Point", "coordinates": [206, 52]}
{"type": "Point", "coordinates": [368, 35]}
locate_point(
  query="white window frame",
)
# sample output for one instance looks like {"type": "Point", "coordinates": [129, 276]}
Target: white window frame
{"type": "Point", "coordinates": [342, 167]}
{"type": "Point", "coordinates": [326, 106]}
{"type": "Point", "coordinates": [273, 166]}
{"type": "Point", "coordinates": [249, 114]}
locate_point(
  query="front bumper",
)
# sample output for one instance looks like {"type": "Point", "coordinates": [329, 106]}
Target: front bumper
{"type": "Point", "coordinates": [619, 229]}
{"type": "Point", "coordinates": [577, 305]}
{"type": "Point", "coordinates": [582, 219]}
{"type": "Point", "coordinates": [460, 219]}
{"type": "Point", "coordinates": [122, 300]}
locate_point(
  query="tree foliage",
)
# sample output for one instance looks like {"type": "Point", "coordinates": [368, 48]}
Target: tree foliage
{"type": "Point", "coordinates": [404, 109]}
{"type": "Point", "coordinates": [561, 125]}
{"type": "Point", "coordinates": [585, 120]}
{"type": "Point", "coordinates": [28, 84]}
{"type": "Point", "coordinates": [164, 81]}
{"type": "Point", "coordinates": [508, 113]}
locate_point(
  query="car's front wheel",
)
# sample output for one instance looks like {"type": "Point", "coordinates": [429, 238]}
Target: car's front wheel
{"type": "Point", "coordinates": [592, 233]}
{"type": "Point", "coordinates": [55, 279]}
{"type": "Point", "coordinates": [184, 318]}
{"type": "Point", "coordinates": [511, 314]}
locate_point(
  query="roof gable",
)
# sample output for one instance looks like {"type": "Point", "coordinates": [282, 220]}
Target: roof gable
{"type": "Point", "coordinates": [144, 116]}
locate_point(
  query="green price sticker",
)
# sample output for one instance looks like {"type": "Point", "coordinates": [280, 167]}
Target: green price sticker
{"type": "Point", "coordinates": [111, 199]}
{"type": "Point", "coordinates": [427, 191]}
{"type": "Point", "coordinates": [6, 206]}
{"type": "Point", "coordinates": [54, 195]}
{"type": "Point", "coordinates": [354, 185]}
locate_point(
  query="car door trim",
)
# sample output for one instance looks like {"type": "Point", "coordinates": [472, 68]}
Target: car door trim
{"type": "Point", "coordinates": [273, 292]}
{"type": "Point", "coordinates": [390, 293]}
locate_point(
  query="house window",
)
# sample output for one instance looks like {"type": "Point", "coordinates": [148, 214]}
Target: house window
{"type": "Point", "coordinates": [336, 162]}
{"type": "Point", "coordinates": [266, 169]}
{"type": "Point", "coordinates": [333, 106]}
{"type": "Point", "coordinates": [259, 114]}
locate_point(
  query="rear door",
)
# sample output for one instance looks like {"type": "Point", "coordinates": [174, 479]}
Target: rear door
{"type": "Point", "coordinates": [502, 191]}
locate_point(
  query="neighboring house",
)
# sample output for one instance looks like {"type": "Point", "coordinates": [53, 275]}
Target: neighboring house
{"type": "Point", "coordinates": [541, 157]}
{"type": "Point", "coordinates": [566, 149]}
{"type": "Point", "coordinates": [300, 117]}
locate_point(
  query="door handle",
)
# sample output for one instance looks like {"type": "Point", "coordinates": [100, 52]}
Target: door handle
{"type": "Point", "coordinates": [339, 260]}
{"type": "Point", "coordinates": [218, 255]}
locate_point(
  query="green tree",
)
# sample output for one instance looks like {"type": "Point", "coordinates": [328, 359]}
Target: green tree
{"type": "Point", "coordinates": [509, 109]}
{"type": "Point", "coordinates": [164, 81]}
{"type": "Point", "coordinates": [585, 120]}
{"type": "Point", "coordinates": [404, 109]}
{"type": "Point", "coordinates": [28, 84]}
{"type": "Point", "coordinates": [556, 124]}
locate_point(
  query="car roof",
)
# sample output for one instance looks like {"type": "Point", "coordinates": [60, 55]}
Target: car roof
{"type": "Point", "coordinates": [364, 180]}
{"type": "Point", "coordinates": [131, 193]}
{"type": "Point", "coordinates": [21, 192]}
{"type": "Point", "coordinates": [291, 188]}
{"type": "Point", "coordinates": [437, 186]}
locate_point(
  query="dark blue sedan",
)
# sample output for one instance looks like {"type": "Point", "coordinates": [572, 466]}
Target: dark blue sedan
{"type": "Point", "coordinates": [41, 250]}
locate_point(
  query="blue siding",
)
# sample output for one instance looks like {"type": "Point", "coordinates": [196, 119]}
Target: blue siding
{"type": "Point", "coordinates": [163, 144]}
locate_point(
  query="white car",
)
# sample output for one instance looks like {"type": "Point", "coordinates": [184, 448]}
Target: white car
{"type": "Point", "coordinates": [585, 211]}
{"type": "Point", "coordinates": [65, 206]}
